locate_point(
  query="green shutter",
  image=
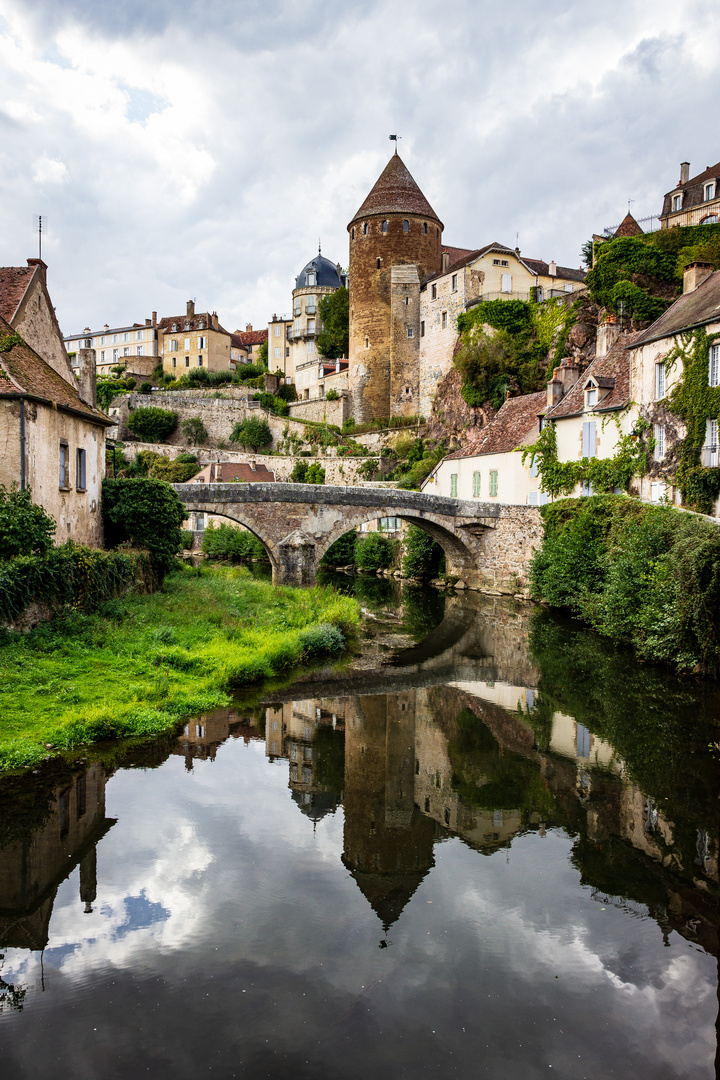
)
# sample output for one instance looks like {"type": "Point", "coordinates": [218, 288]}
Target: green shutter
{"type": "Point", "coordinates": [453, 484]}
{"type": "Point", "coordinates": [476, 484]}
{"type": "Point", "coordinates": [493, 481]}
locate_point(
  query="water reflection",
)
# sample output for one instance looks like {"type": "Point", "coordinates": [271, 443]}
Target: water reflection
{"type": "Point", "coordinates": [503, 735]}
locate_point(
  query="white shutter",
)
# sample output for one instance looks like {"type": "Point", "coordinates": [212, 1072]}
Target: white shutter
{"type": "Point", "coordinates": [506, 283]}
{"type": "Point", "coordinates": [588, 437]}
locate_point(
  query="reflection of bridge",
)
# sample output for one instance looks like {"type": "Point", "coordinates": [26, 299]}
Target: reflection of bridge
{"type": "Point", "coordinates": [487, 545]}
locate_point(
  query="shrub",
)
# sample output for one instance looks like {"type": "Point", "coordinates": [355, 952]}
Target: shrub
{"type": "Point", "coordinates": [177, 471]}
{"type": "Point", "coordinates": [130, 383]}
{"type": "Point", "coordinates": [194, 431]}
{"type": "Point", "coordinates": [332, 395]}
{"type": "Point", "coordinates": [152, 424]}
{"type": "Point", "coordinates": [145, 387]}
{"type": "Point", "coordinates": [25, 527]}
{"type": "Point", "coordinates": [251, 432]}
{"type": "Point", "coordinates": [231, 544]}
{"type": "Point", "coordinates": [374, 551]}
{"type": "Point", "coordinates": [323, 640]}
{"type": "Point", "coordinates": [243, 372]}
{"type": "Point", "coordinates": [299, 472]}
{"type": "Point", "coordinates": [424, 558]}
{"type": "Point", "coordinates": [186, 539]}
{"type": "Point", "coordinates": [342, 551]}
{"type": "Point", "coordinates": [146, 513]}
{"type": "Point", "coordinates": [315, 474]}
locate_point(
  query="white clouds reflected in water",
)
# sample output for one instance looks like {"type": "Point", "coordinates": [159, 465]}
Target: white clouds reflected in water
{"type": "Point", "coordinates": [198, 150]}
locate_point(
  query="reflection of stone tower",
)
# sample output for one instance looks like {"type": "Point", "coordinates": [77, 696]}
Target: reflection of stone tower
{"type": "Point", "coordinates": [395, 242]}
{"type": "Point", "coordinates": [388, 842]}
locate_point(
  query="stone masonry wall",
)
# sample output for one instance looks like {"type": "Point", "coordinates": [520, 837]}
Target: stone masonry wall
{"type": "Point", "coordinates": [322, 411]}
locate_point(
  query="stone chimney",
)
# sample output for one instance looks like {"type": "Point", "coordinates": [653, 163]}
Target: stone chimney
{"type": "Point", "coordinates": [564, 378]}
{"type": "Point", "coordinates": [85, 372]}
{"type": "Point", "coordinates": [147, 322]}
{"type": "Point", "coordinates": [190, 309]}
{"type": "Point", "coordinates": [154, 318]}
{"type": "Point", "coordinates": [607, 335]}
{"type": "Point", "coordinates": [248, 328]}
{"type": "Point", "coordinates": [445, 261]}
{"type": "Point", "coordinates": [41, 264]}
{"type": "Point", "coordinates": [554, 392]}
{"type": "Point", "coordinates": [214, 320]}
{"type": "Point", "coordinates": [684, 172]}
{"type": "Point", "coordinates": [694, 275]}
{"type": "Point", "coordinates": [552, 268]}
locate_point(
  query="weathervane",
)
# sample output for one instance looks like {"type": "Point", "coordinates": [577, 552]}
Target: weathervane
{"type": "Point", "coordinates": [394, 138]}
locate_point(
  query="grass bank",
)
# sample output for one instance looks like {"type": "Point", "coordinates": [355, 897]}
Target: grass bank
{"type": "Point", "coordinates": [140, 664]}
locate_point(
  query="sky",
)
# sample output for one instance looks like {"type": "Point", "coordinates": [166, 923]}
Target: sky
{"type": "Point", "coordinates": [182, 149]}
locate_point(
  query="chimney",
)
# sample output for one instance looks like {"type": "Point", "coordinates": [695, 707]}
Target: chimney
{"type": "Point", "coordinates": [695, 274]}
{"type": "Point", "coordinates": [567, 375]}
{"type": "Point", "coordinates": [190, 309]}
{"type": "Point", "coordinates": [554, 392]}
{"type": "Point", "coordinates": [552, 268]}
{"type": "Point", "coordinates": [684, 172]}
{"type": "Point", "coordinates": [106, 328]}
{"type": "Point", "coordinates": [214, 320]}
{"type": "Point", "coordinates": [147, 322]}
{"type": "Point", "coordinates": [248, 327]}
{"type": "Point", "coordinates": [607, 335]}
{"type": "Point", "coordinates": [41, 264]}
{"type": "Point", "coordinates": [445, 261]}
{"type": "Point", "coordinates": [86, 376]}
{"type": "Point", "coordinates": [154, 318]}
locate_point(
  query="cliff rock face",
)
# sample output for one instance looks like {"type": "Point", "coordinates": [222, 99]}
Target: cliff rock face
{"type": "Point", "coordinates": [451, 417]}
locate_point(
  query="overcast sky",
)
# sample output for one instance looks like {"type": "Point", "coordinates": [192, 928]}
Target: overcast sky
{"type": "Point", "coordinates": [183, 149]}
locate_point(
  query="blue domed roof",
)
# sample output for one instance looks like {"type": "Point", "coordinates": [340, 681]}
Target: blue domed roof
{"type": "Point", "coordinates": [327, 273]}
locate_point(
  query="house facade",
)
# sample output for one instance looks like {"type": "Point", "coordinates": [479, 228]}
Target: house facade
{"type": "Point", "coordinates": [695, 200]}
{"type": "Point", "coordinates": [198, 341]}
{"type": "Point", "coordinates": [135, 346]}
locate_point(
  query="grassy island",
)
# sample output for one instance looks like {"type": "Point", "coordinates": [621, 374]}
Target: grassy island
{"type": "Point", "coordinates": [139, 664]}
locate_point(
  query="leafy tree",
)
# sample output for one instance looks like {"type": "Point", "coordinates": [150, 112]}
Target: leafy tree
{"type": "Point", "coordinates": [299, 472]}
{"type": "Point", "coordinates": [194, 431]}
{"type": "Point", "coordinates": [334, 338]}
{"type": "Point", "coordinates": [424, 558]}
{"type": "Point", "coordinates": [152, 424]}
{"type": "Point", "coordinates": [375, 551]}
{"type": "Point", "coordinates": [231, 543]}
{"type": "Point", "coordinates": [262, 355]}
{"type": "Point", "coordinates": [506, 357]}
{"type": "Point", "coordinates": [586, 253]}
{"type": "Point", "coordinates": [342, 552]}
{"type": "Point", "coordinates": [145, 513]}
{"type": "Point", "coordinates": [637, 274]}
{"type": "Point", "coordinates": [251, 433]}
{"type": "Point", "coordinates": [25, 527]}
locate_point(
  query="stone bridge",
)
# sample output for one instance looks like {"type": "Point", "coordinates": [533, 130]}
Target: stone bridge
{"type": "Point", "coordinates": [487, 545]}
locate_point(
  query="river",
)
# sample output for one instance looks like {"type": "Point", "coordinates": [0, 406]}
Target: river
{"type": "Point", "coordinates": [488, 849]}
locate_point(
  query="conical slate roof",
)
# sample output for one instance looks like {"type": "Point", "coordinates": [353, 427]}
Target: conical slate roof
{"type": "Point", "coordinates": [628, 227]}
{"type": "Point", "coordinates": [395, 192]}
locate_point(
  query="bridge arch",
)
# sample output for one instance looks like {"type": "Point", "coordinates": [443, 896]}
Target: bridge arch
{"type": "Point", "coordinates": [235, 513]}
{"type": "Point", "coordinates": [456, 549]}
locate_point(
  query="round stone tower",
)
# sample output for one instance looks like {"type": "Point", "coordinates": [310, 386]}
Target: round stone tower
{"type": "Point", "coordinates": [395, 243]}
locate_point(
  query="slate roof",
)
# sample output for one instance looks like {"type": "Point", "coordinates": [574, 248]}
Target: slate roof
{"type": "Point", "coordinates": [628, 227]}
{"type": "Point", "coordinates": [14, 280]}
{"type": "Point", "coordinates": [327, 273]}
{"type": "Point", "coordinates": [611, 372]}
{"type": "Point", "coordinates": [515, 421]}
{"type": "Point", "coordinates": [395, 192]}
{"type": "Point", "coordinates": [23, 371]}
{"type": "Point", "coordinates": [564, 273]}
{"type": "Point", "coordinates": [692, 309]}
{"type": "Point", "coordinates": [228, 472]}
{"type": "Point", "coordinates": [693, 191]}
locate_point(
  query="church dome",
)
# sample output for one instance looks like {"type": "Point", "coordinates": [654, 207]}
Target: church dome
{"type": "Point", "coordinates": [326, 274]}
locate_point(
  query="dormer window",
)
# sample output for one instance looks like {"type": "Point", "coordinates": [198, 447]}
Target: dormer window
{"type": "Point", "coordinates": [312, 278]}
{"type": "Point", "coordinates": [677, 202]}
{"type": "Point", "coordinates": [709, 191]}
{"type": "Point", "coordinates": [174, 328]}
{"type": "Point", "coordinates": [591, 396]}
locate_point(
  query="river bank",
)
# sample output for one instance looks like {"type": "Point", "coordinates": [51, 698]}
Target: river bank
{"type": "Point", "coordinates": [140, 664]}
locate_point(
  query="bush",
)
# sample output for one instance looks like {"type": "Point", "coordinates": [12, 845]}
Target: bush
{"type": "Point", "coordinates": [145, 387]}
{"type": "Point", "coordinates": [342, 551]}
{"type": "Point", "coordinates": [424, 558]}
{"type": "Point", "coordinates": [194, 431]}
{"type": "Point", "coordinates": [251, 432]}
{"type": "Point", "coordinates": [130, 383]}
{"type": "Point", "coordinates": [323, 640]}
{"type": "Point", "coordinates": [186, 539]}
{"type": "Point", "coordinates": [374, 551]}
{"type": "Point", "coordinates": [315, 474]}
{"type": "Point", "coordinates": [145, 513]}
{"type": "Point", "coordinates": [299, 472]}
{"type": "Point", "coordinates": [152, 424]}
{"type": "Point", "coordinates": [177, 471]}
{"type": "Point", "coordinates": [243, 372]}
{"type": "Point", "coordinates": [25, 527]}
{"type": "Point", "coordinates": [230, 543]}
{"type": "Point", "coordinates": [332, 395]}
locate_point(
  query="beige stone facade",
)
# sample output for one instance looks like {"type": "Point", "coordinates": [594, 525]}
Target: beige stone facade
{"type": "Point", "coordinates": [195, 340]}
{"type": "Point", "coordinates": [695, 200]}
{"type": "Point", "coordinates": [135, 346]}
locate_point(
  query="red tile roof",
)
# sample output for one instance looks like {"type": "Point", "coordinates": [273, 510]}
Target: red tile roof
{"type": "Point", "coordinates": [535, 266]}
{"type": "Point", "coordinates": [22, 371]}
{"type": "Point", "coordinates": [14, 280]}
{"type": "Point", "coordinates": [455, 254]}
{"type": "Point", "coordinates": [628, 227]}
{"type": "Point", "coordinates": [183, 324]}
{"type": "Point", "coordinates": [396, 192]}
{"type": "Point", "coordinates": [516, 420]}
{"type": "Point", "coordinates": [228, 472]}
{"type": "Point", "coordinates": [611, 372]}
{"type": "Point", "coordinates": [251, 337]}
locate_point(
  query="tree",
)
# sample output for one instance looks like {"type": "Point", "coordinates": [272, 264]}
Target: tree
{"type": "Point", "coordinates": [145, 513]}
{"type": "Point", "coordinates": [334, 339]}
{"type": "Point", "coordinates": [25, 527]}
{"type": "Point", "coordinates": [251, 433]}
{"type": "Point", "coordinates": [152, 424]}
{"type": "Point", "coordinates": [194, 431]}
{"type": "Point", "coordinates": [262, 355]}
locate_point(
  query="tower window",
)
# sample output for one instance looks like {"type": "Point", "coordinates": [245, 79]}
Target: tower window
{"type": "Point", "coordinates": [352, 233]}
{"type": "Point", "coordinates": [406, 226]}
{"type": "Point", "coordinates": [410, 331]}
{"type": "Point", "coordinates": [367, 342]}
{"type": "Point", "coordinates": [433, 292]}
{"type": "Point", "coordinates": [422, 328]}
{"type": "Point", "coordinates": [407, 301]}
{"type": "Point", "coordinates": [377, 263]}
{"type": "Point", "coordinates": [384, 226]}
{"type": "Point", "coordinates": [365, 228]}
{"type": "Point", "coordinates": [437, 232]}
{"type": "Point", "coordinates": [425, 227]}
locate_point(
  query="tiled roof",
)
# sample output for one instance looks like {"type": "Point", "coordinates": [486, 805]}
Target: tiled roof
{"type": "Point", "coordinates": [183, 324]}
{"type": "Point", "coordinates": [395, 192]}
{"type": "Point", "coordinates": [695, 308]}
{"type": "Point", "coordinates": [228, 472]}
{"type": "Point", "coordinates": [23, 371]}
{"type": "Point", "coordinates": [328, 366]}
{"type": "Point", "coordinates": [535, 266]}
{"type": "Point", "coordinates": [611, 372]}
{"type": "Point", "coordinates": [565, 273]}
{"type": "Point", "coordinates": [14, 280]}
{"type": "Point", "coordinates": [693, 189]}
{"type": "Point", "coordinates": [516, 420]}
{"type": "Point", "coordinates": [251, 337]}
{"type": "Point", "coordinates": [628, 227]}
{"type": "Point", "coordinates": [455, 254]}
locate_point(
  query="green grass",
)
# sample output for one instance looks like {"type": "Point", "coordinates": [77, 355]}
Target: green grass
{"type": "Point", "coordinates": [142, 663]}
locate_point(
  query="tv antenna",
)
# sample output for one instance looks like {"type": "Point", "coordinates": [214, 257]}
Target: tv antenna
{"type": "Point", "coordinates": [38, 228]}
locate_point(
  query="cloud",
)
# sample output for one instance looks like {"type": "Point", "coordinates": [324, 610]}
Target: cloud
{"type": "Point", "coordinates": [49, 171]}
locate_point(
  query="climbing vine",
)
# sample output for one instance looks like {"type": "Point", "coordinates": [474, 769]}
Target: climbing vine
{"type": "Point", "coordinates": [603, 474]}
{"type": "Point", "coordinates": [9, 341]}
{"type": "Point", "coordinates": [696, 402]}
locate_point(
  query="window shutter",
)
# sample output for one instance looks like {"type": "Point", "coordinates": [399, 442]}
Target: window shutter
{"type": "Point", "coordinates": [493, 482]}
{"type": "Point", "coordinates": [534, 466]}
{"type": "Point", "coordinates": [476, 484]}
{"type": "Point", "coordinates": [453, 485]}
{"type": "Point", "coordinates": [507, 283]}
{"type": "Point", "coordinates": [588, 437]}
{"type": "Point", "coordinates": [659, 381]}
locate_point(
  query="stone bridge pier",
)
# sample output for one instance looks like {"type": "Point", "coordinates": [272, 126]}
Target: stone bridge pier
{"type": "Point", "coordinates": [489, 546]}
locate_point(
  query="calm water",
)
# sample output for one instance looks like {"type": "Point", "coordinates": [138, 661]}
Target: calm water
{"type": "Point", "coordinates": [497, 857]}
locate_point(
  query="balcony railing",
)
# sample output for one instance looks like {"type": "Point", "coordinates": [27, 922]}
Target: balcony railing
{"type": "Point", "coordinates": [711, 456]}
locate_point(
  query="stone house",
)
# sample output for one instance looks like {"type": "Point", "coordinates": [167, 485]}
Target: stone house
{"type": "Point", "coordinates": [198, 340]}
{"type": "Point", "coordinates": [26, 305]}
{"type": "Point", "coordinates": [317, 279]}
{"type": "Point", "coordinates": [246, 344]}
{"type": "Point", "coordinates": [135, 346]}
{"type": "Point", "coordinates": [656, 370]}
{"type": "Point", "coordinates": [695, 200]}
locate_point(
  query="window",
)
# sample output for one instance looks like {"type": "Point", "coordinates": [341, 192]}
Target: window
{"type": "Point", "coordinates": [657, 491]}
{"type": "Point", "coordinates": [453, 283]}
{"type": "Point", "coordinates": [568, 287]}
{"type": "Point", "coordinates": [80, 469]}
{"type": "Point", "coordinates": [298, 307]}
{"type": "Point", "coordinates": [677, 202]}
{"type": "Point", "coordinates": [406, 226]}
{"type": "Point", "coordinates": [710, 450]}
{"type": "Point", "coordinates": [367, 342]}
{"type": "Point", "coordinates": [709, 219]}
{"type": "Point", "coordinates": [422, 328]}
{"type": "Point", "coordinates": [115, 354]}
{"type": "Point", "coordinates": [115, 339]}
{"type": "Point", "coordinates": [453, 485]}
{"type": "Point", "coordinates": [310, 305]}
{"type": "Point", "coordinates": [709, 191]}
{"type": "Point", "coordinates": [139, 335]}
{"type": "Point", "coordinates": [377, 264]}
{"type": "Point", "coordinates": [425, 228]}
{"type": "Point", "coordinates": [200, 361]}
{"type": "Point", "coordinates": [352, 234]}
{"type": "Point", "coordinates": [659, 435]}
{"type": "Point", "coordinates": [311, 346]}
{"type": "Point", "coordinates": [64, 475]}
{"type": "Point", "coordinates": [312, 278]}
{"type": "Point", "coordinates": [126, 337]}
{"type": "Point", "coordinates": [500, 262]}
{"type": "Point", "coordinates": [443, 320]}
{"type": "Point", "coordinates": [102, 341]}
{"type": "Point", "coordinates": [202, 343]}
{"type": "Point", "coordinates": [102, 355]}
{"type": "Point", "coordinates": [591, 396]}
{"type": "Point", "coordinates": [588, 439]}
{"type": "Point", "coordinates": [311, 326]}
{"type": "Point", "coordinates": [506, 283]}
{"type": "Point", "coordinates": [534, 466]}
{"type": "Point", "coordinates": [187, 361]}
{"type": "Point", "coordinates": [659, 381]}
{"type": "Point", "coordinates": [276, 330]}
{"type": "Point", "coordinates": [365, 228]}
{"type": "Point", "coordinates": [174, 362]}
{"type": "Point", "coordinates": [384, 226]}
{"type": "Point", "coordinates": [277, 353]}
{"type": "Point", "coordinates": [476, 484]}
{"type": "Point", "coordinates": [714, 366]}
{"type": "Point", "coordinates": [138, 350]}
{"type": "Point", "coordinates": [433, 292]}
{"type": "Point", "coordinates": [410, 331]}
{"type": "Point", "coordinates": [173, 346]}
{"type": "Point", "coordinates": [493, 482]}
